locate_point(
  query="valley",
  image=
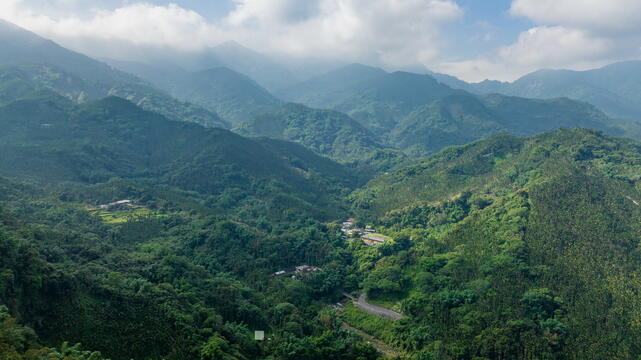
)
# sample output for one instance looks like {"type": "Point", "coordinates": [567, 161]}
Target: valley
{"type": "Point", "coordinates": [172, 210]}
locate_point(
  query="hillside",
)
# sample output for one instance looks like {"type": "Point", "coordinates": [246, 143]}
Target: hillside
{"type": "Point", "coordinates": [503, 159]}
{"type": "Point", "coordinates": [185, 270]}
{"type": "Point", "coordinates": [40, 61]}
{"type": "Point", "coordinates": [543, 228]}
{"type": "Point", "coordinates": [176, 283]}
{"type": "Point", "coordinates": [325, 132]}
{"type": "Point", "coordinates": [265, 71]}
{"type": "Point", "coordinates": [419, 115]}
{"type": "Point", "coordinates": [613, 88]}
{"type": "Point", "coordinates": [233, 96]}
{"type": "Point", "coordinates": [327, 90]}
{"type": "Point", "coordinates": [50, 139]}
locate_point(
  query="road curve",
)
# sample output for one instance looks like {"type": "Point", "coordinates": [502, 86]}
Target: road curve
{"type": "Point", "coordinates": [376, 310]}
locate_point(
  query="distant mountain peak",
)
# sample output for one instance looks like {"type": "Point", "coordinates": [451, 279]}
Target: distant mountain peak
{"type": "Point", "coordinates": [234, 45]}
{"type": "Point", "coordinates": [7, 25]}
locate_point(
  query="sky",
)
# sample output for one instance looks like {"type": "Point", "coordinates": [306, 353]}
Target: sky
{"type": "Point", "coordinates": [471, 39]}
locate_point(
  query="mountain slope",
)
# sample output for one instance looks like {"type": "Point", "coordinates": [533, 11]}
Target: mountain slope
{"type": "Point", "coordinates": [50, 139]}
{"type": "Point", "coordinates": [613, 88]}
{"type": "Point", "coordinates": [381, 102]}
{"type": "Point", "coordinates": [35, 56]}
{"type": "Point", "coordinates": [326, 132]}
{"type": "Point", "coordinates": [233, 96]}
{"type": "Point", "coordinates": [326, 90]}
{"type": "Point", "coordinates": [420, 115]}
{"type": "Point", "coordinates": [496, 162]}
{"type": "Point", "coordinates": [257, 66]}
{"type": "Point", "coordinates": [510, 247]}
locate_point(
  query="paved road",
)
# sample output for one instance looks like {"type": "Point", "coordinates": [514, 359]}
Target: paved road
{"type": "Point", "coordinates": [376, 310]}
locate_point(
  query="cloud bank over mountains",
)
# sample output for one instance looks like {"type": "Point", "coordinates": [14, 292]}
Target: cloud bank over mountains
{"type": "Point", "coordinates": [391, 33]}
{"type": "Point", "coordinates": [575, 34]}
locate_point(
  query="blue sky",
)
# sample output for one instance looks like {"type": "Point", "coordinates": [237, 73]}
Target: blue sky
{"type": "Point", "coordinates": [471, 39]}
{"type": "Point", "coordinates": [212, 9]}
{"type": "Point", "coordinates": [486, 26]}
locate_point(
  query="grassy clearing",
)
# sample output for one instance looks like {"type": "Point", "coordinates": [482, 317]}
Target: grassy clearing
{"type": "Point", "coordinates": [122, 216]}
{"type": "Point", "coordinates": [378, 327]}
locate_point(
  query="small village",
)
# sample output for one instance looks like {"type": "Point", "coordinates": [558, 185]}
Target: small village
{"type": "Point", "coordinates": [367, 234]}
{"type": "Point", "coordinates": [117, 205]}
{"type": "Point", "coordinates": [297, 271]}
{"type": "Point", "coordinates": [350, 231]}
{"type": "Point", "coordinates": [120, 211]}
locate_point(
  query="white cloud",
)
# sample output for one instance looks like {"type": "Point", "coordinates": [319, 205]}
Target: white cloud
{"type": "Point", "coordinates": [386, 32]}
{"type": "Point", "coordinates": [572, 34]}
{"type": "Point", "coordinates": [135, 24]}
{"type": "Point", "coordinates": [273, 11]}
{"type": "Point", "coordinates": [391, 32]}
{"type": "Point", "coordinates": [598, 15]}
{"type": "Point", "coordinates": [554, 46]}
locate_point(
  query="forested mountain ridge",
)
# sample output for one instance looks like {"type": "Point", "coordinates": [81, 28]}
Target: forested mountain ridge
{"type": "Point", "coordinates": [326, 132]}
{"type": "Point", "coordinates": [235, 97]}
{"type": "Point", "coordinates": [419, 115]}
{"type": "Point", "coordinates": [177, 283]}
{"type": "Point", "coordinates": [544, 228]}
{"type": "Point", "coordinates": [232, 95]}
{"type": "Point", "coordinates": [268, 73]}
{"type": "Point", "coordinates": [156, 65]}
{"type": "Point", "coordinates": [185, 272]}
{"type": "Point", "coordinates": [41, 62]}
{"type": "Point", "coordinates": [49, 138]}
{"type": "Point", "coordinates": [613, 88]}
{"type": "Point", "coordinates": [325, 90]}
{"type": "Point", "coordinates": [469, 167]}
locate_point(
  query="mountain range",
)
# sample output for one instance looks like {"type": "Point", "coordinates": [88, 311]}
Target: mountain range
{"type": "Point", "coordinates": [419, 115]}
{"type": "Point", "coordinates": [613, 88]}
{"type": "Point", "coordinates": [41, 62]}
{"type": "Point", "coordinates": [181, 209]}
{"type": "Point", "coordinates": [49, 138]}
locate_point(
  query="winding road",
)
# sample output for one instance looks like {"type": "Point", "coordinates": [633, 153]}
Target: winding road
{"type": "Point", "coordinates": [375, 310]}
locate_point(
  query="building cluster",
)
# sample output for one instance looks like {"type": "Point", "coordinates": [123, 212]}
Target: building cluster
{"type": "Point", "coordinates": [349, 229]}
{"type": "Point", "coordinates": [374, 239]}
{"type": "Point", "coordinates": [367, 234]}
{"type": "Point", "coordinates": [121, 204]}
{"type": "Point", "coordinates": [297, 270]}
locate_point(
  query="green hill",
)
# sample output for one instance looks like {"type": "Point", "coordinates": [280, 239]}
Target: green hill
{"type": "Point", "coordinates": [326, 132]}
{"type": "Point", "coordinates": [184, 273]}
{"type": "Point", "coordinates": [43, 64]}
{"type": "Point", "coordinates": [511, 247]}
{"type": "Point", "coordinates": [327, 90]}
{"type": "Point", "coordinates": [470, 167]}
{"type": "Point", "coordinates": [233, 96]}
{"type": "Point", "coordinates": [50, 139]}
{"type": "Point", "coordinates": [419, 115]}
{"type": "Point", "coordinates": [613, 88]}
{"type": "Point", "coordinates": [382, 102]}
{"type": "Point", "coordinates": [177, 283]}
{"type": "Point", "coordinates": [265, 71]}
{"type": "Point", "coordinates": [508, 247]}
